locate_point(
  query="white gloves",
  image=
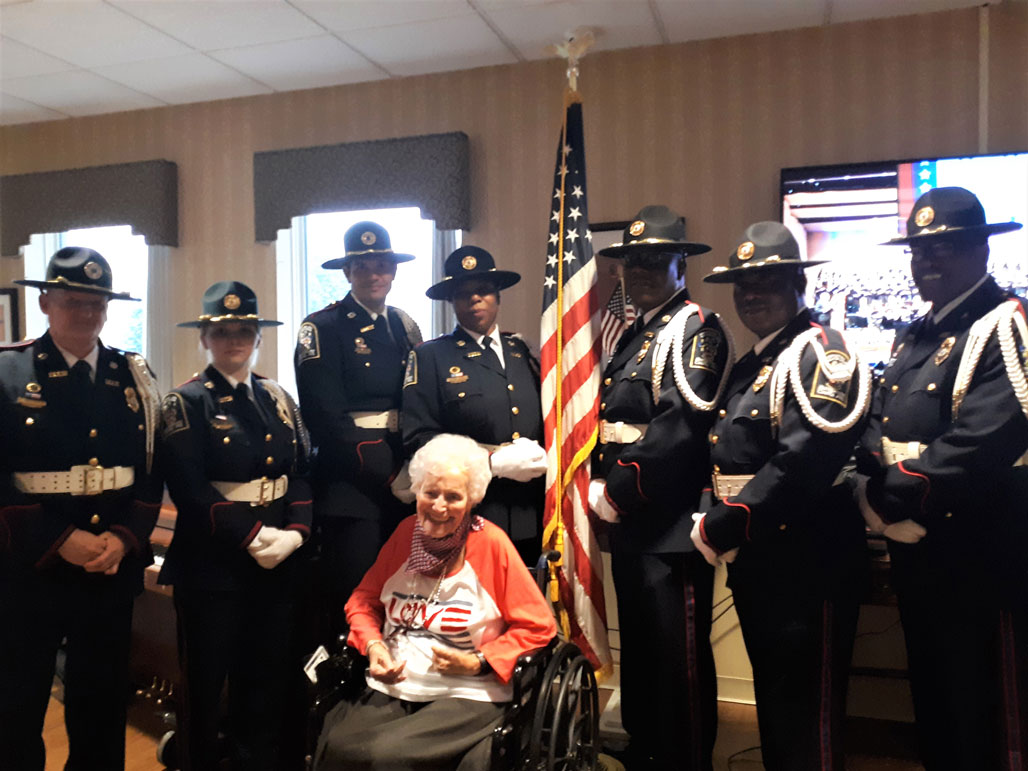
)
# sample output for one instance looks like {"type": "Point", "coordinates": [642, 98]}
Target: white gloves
{"type": "Point", "coordinates": [708, 553]}
{"type": "Point", "coordinates": [271, 546]}
{"type": "Point", "coordinates": [598, 501]}
{"type": "Point", "coordinates": [905, 531]}
{"type": "Point", "coordinates": [522, 460]}
{"type": "Point", "coordinates": [401, 485]}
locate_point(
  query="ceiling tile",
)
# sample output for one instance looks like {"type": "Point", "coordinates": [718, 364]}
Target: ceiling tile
{"type": "Point", "coordinates": [183, 79]}
{"type": "Point", "coordinates": [532, 28]}
{"type": "Point", "coordinates": [78, 93]}
{"type": "Point", "coordinates": [431, 46]}
{"type": "Point", "coordinates": [365, 14]}
{"type": "Point", "coordinates": [298, 64]}
{"type": "Point", "coordinates": [14, 110]}
{"type": "Point", "coordinates": [208, 25]}
{"type": "Point", "coordinates": [87, 34]}
{"type": "Point", "coordinates": [856, 10]}
{"type": "Point", "coordinates": [702, 19]}
{"type": "Point", "coordinates": [20, 61]}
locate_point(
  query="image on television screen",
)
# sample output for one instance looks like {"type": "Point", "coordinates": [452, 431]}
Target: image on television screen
{"type": "Point", "coordinates": [844, 213]}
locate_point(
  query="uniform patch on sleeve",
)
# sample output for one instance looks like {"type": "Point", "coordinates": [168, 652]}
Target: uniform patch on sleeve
{"type": "Point", "coordinates": [705, 347]}
{"type": "Point", "coordinates": [307, 346]}
{"type": "Point", "coordinates": [830, 389]}
{"type": "Point", "coordinates": [173, 415]}
{"type": "Point", "coordinates": [410, 375]}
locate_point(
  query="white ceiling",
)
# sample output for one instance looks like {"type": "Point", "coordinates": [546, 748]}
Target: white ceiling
{"type": "Point", "coordinates": [61, 58]}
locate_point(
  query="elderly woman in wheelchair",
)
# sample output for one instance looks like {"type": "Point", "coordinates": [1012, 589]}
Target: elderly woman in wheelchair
{"type": "Point", "coordinates": [442, 615]}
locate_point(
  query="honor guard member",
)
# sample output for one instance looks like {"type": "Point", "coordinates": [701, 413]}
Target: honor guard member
{"type": "Point", "coordinates": [78, 499]}
{"type": "Point", "coordinates": [649, 468]}
{"type": "Point", "coordinates": [349, 361]}
{"type": "Point", "coordinates": [787, 423]}
{"type": "Point", "coordinates": [235, 455]}
{"type": "Point", "coordinates": [483, 383]}
{"type": "Point", "coordinates": [948, 423]}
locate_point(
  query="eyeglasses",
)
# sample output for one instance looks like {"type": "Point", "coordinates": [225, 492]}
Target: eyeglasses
{"type": "Point", "coordinates": [649, 260]}
{"type": "Point", "coordinates": [242, 334]}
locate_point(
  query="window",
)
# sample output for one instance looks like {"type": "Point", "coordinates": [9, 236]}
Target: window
{"type": "Point", "coordinates": [126, 326]}
{"type": "Point", "coordinates": [304, 286]}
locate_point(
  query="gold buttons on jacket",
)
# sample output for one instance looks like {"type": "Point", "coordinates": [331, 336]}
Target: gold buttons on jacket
{"type": "Point", "coordinates": [754, 413]}
{"type": "Point", "coordinates": [227, 440]}
{"type": "Point", "coordinates": [601, 457]}
{"type": "Point", "coordinates": [603, 405]}
{"type": "Point", "coordinates": [606, 381]}
{"type": "Point", "coordinates": [267, 437]}
{"type": "Point", "coordinates": [515, 435]}
{"type": "Point", "coordinates": [885, 419]}
{"type": "Point", "coordinates": [29, 421]}
{"type": "Point", "coordinates": [515, 410]}
{"type": "Point", "coordinates": [510, 386]}
{"type": "Point", "coordinates": [461, 395]}
{"type": "Point", "coordinates": [895, 388]}
{"type": "Point", "coordinates": [92, 433]}
{"type": "Point", "coordinates": [949, 515]}
{"type": "Point", "coordinates": [722, 413]}
{"type": "Point", "coordinates": [713, 439]}
{"type": "Point", "coordinates": [931, 386]}
{"type": "Point", "coordinates": [94, 462]}
{"type": "Point", "coordinates": [782, 527]}
{"type": "Point", "coordinates": [95, 519]}
{"type": "Point", "coordinates": [633, 374]}
{"type": "Point", "coordinates": [142, 427]}
{"type": "Point", "coordinates": [269, 460]}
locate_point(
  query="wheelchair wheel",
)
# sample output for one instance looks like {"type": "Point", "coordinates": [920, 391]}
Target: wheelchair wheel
{"type": "Point", "coordinates": [565, 728]}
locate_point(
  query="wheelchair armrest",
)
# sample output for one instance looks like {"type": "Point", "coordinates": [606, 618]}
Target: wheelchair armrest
{"type": "Point", "coordinates": [342, 673]}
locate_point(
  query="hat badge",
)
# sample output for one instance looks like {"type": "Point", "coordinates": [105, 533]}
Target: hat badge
{"type": "Point", "coordinates": [368, 238]}
{"type": "Point", "coordinates": [745, 250]}
{"type": "Point", "coordinates": [231, 301]}
{"type": "Point", "coordinates": [92, 270]}
{"type": "Point", "coordinates": [468, 263]}
{"type": "Point", "coordinates": [636, 228]}
{"type": "Point", "coordinates": [924, 217]}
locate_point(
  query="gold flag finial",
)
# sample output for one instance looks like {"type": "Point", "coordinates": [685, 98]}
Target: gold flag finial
{"type": "Point", "coordinates": [573, 48]}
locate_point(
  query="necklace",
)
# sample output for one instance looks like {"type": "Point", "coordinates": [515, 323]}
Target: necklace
{"type": "Point", "coordinates": [410, 612]}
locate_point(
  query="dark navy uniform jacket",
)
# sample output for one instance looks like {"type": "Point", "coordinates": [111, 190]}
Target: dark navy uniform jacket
{"type": "Point", "coordinates": [345, 362]}
{"type": "Point", "coordinates": [48, 424]}
{"type": "Point", "coordinates": [211, 433]}
{"type": "Point", "coordinates": [963, 488]}
{"type": "Point", "coordinates": [655, 483]}
{"type": "Point", "coordinates": [452, 386]}
{"type": "Point", "coordinates": [791, 516]}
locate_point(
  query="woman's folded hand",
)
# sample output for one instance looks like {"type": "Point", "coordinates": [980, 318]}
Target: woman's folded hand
{"type": "Point", "coordinates": [383, 667]}
{"type": "Point", "coordinates": [450, 661]}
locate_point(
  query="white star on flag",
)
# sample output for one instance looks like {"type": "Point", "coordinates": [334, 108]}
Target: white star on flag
{"type": "Point", "coordinates": [569, 257]}
{"type": "Point", "coordinates": [574, 213]}
{"type": "Point", "coordinates": [572, 235]}
{"type": "Point", "coordinates": [576, 191]}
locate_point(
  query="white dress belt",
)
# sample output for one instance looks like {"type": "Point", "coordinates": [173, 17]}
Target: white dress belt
{"type": "Point", "coordinates": [621, 432]}
{"type": "Point", "coordinates": [389, 419]}
{"type": "Point", "coordinates": [894, 452]}
{"type": "Point", "coordinates": [78, 480]}
{"type": "Point", "coordinates": [256, 492]}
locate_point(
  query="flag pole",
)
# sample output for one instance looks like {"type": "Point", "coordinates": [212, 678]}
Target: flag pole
{"type": "Point", "coordinates": [572, 49]}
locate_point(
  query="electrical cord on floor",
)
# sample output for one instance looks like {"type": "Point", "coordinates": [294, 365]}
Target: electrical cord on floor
{"type": "Point", "coordinates": [735, 755]}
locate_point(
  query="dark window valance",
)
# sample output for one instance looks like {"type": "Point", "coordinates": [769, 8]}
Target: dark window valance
{"type": "Point", "coordinates": [429, 171]}
{"type": "Point", "coordinates": [143, 195]}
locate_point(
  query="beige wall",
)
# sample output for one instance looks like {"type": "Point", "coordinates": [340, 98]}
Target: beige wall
{"type": "Point", "coordinates": [704, 127]}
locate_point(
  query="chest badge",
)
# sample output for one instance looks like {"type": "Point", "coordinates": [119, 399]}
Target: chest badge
{"type": "Point", "coordinates": [131, 399]}
{"type": "Point", "coordinates": [361, 347]}
{"type": "Point", "coordinates": [762, 377]}
{"type": "Point", "coordinates": [944, 350]}
{"type": "Point", "coordinates": [456, 376]}
{"type": "Point", "coordinates": [33, 388]}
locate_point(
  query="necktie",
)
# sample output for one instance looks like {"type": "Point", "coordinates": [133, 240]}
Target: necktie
{"type": "Point", "coordinates": [81, 381]}
{"type": "Point", "coordinates": [246, 406]}
{"type": "Point", "coordinates": [82, 374]}
{"type": "Point", "coordinates": [488, 346]}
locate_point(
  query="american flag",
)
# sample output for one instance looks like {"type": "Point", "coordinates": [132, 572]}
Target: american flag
{"type": "Point", "coordinates": [617, 317]}
{"type": "Point", "coordinates": [570, 397]}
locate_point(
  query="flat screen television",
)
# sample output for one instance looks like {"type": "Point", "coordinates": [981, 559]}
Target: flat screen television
{"type": "Point", "coordinates": [843, 213]}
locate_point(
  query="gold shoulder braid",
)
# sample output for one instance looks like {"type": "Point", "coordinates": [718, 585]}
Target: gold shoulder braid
{"type": "Point", "coordinates": [288, 413]}
{"type": "Point", "coordinates": [150, 396]}
{"type": "Point", "coordinates": [672, 339]}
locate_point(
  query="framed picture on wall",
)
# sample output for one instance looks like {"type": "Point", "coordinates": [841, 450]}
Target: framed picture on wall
{"type": "Point", "coordinates": [607, 269]}
{"type": "Point", "coordinates": [10, 321]}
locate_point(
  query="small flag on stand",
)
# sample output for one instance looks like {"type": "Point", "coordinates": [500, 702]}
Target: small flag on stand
{"type": "Point", "coordinates": [617, 317]}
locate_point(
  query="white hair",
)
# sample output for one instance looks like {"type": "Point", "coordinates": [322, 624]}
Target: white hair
{"type": "Point", "coordinates": [446, 452]}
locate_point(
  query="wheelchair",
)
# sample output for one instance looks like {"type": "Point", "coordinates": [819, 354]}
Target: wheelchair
{"type": "Point", "coordinates": [551, 723]}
